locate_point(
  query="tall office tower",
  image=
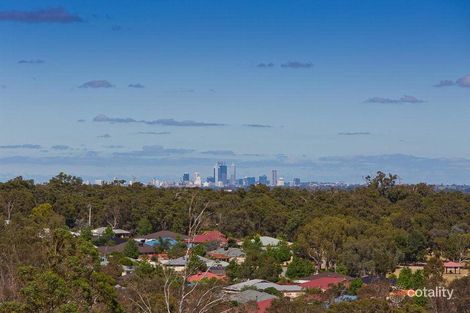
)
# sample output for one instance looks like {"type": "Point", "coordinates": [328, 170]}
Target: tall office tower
{"type": "Point", "coordinates": [263, 180]}
{"type": "Point", "coordinates": [249, 181]}
{"type": "Point", "coordinates": [197, 179]}
{"type": "Point", "coordinates": [296, 182]}
{"type": "Point", "coordinates": [222, 173]}
{"type": "Point", "coordinates": [274, 178]}
{"type": "Point", "coordinates": [186, 178]}
{"type": "Point", "coordinates": [216, 171]}
{"type": "Point", "coordinates": [233, 174]}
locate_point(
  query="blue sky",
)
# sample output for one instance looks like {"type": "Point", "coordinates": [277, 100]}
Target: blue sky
{"type": "Point", "coordinates": [321, 90]}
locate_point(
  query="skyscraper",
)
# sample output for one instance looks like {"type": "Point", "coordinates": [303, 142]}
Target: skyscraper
{"type": "Point", "coordinates": [222, 173]}
{"type": "Point", "coordinates": [197, 179]}
{"type": "Point", "coordinates": [274, 178]}
{"type": "Point", "coordinates": [263, 180]}
{"type": "Point", "coordinates": [233, 174]}
{"type": "Point", "coordinates": [185, 177]}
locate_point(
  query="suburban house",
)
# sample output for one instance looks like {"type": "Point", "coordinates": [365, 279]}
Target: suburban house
{"type": "Point", "coordinates": [452, 267]}
{"type": "Point", "coordinates": [144, 250]}
{"type": "Point", "coordinates": [155, 239]}
{"type": "Point", "coordinates": [250, 295]}
{"type": "Point", "coordinates": [323, 275]}
{"type": "Point", "coordinates": [290, 291]}
{"type": "Point", "coordinates": [179, 264]}
{"type": "Point", "coordinates": [324, 283]}
{"type": "Point", "coordinates": [228, 254]}
{"type": "Point", "coordinates": [209, 237]}
{"type": "Point", "coordinates": [204, 275]}
{"type": "Point", "coordinates": [119, 233]}
{"type": "Point", "coordinates": [267, 241]}
{"type": "Point", "coordinates": [165, 234]}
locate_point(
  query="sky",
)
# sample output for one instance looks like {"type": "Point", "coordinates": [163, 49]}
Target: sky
{"type": "Point", "coordinates": [324, 90]}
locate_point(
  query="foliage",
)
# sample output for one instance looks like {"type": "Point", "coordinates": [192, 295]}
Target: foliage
{"type": "Point", "coordinates": [299, 268]}
{"type": "Point", "coordinates": [131, 250]}
{"type": "Point", "coordinates": [144, 226]}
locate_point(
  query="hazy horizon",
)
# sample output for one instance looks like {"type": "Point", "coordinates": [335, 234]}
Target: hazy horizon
{"type": "Point", "coordinates": [320, 90]}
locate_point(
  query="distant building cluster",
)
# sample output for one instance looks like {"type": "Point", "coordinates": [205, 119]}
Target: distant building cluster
{"type": "Point", "coordinates": [226, 177]}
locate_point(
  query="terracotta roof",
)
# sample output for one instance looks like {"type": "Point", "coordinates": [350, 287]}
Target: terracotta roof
{"type": "Point", "coordinates": [210, 236]}
{"type": "Point", "coordinates": [206, 275]}
{"type": "Point", "coordinates": [323, 283]}
{"type": "Point", "coordinates": [264, 305]}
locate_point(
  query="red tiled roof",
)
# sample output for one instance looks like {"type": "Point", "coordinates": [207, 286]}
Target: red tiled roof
{"type": "Point", "coordinates": [264, 305]}
{"type": "Point", "coordinates": [210, 236]}
{"type": "Point", "coordinates": [452, 264]}
{"type": "Point", "coordinates": [322, 283]}
{"type": "Point", "coordinates": [201, 276]}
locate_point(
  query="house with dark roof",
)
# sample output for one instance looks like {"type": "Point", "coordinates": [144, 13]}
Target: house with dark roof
{"type": "Point", "coordinates": [143, 249]}
{"type": "Point", "coordinates": [163, 234]}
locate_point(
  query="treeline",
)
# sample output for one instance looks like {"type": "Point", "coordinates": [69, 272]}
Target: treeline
{"type": "Point", "coordinates": [415, 218]}
{"type": "Point", "coordinates": [368, 230]}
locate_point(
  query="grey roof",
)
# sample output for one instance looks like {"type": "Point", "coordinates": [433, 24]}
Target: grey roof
{"type": "Point", "coordinates": [209, 263]}
{"type": "Point", "coordinates": [100, 230]}
{"type": "Point", "coordinates": [262, 285]}
{"type": "Point", "coordinates": [248, 283]}
{"type": "Point", "coordinates": [230, 252]}
{"type": "Point", "coordinates": [251, 295]}
{"type": "Point", "coordinates": [269, 241]}
{"type": "Point", "coordinates": [282, 288]}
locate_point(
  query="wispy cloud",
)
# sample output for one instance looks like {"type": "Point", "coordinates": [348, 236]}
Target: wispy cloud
{"type": "Point", "coordinates": [297, 65]}
{"type": "Point", "coordinates": [22, 146]}
{"type": "Point", "coordinates": [51, 15]}
{"type": "Point", "coordinates": [61, 147]}
{"type": "Point", "coordinates": [404, 99]}
{"type": "Point", "coordinates": [81, 120]}
{"type": "Point", "coordinates": [164, 122]}
{"type": "Point", "coordinates": [113, 147]}
{"type": "Point", "coordinates": [445, 83]}
{"type": "Point", "coordinates": [105, 136]}
{"type": "Point", "coordinates": [265, 65]}
{"type": "Point", "coordinates": [464, 81]}
{"type": "Point", "coordinates": [32, 61]}
{"type": "Point", "coordinates": [153, 151]}
{"type": "Point", "coordinates": [96, 84]}
{"type": "Point", "coordinates": [137, 85]}
{"type": "Point", "coordinates": [219, 152]}
{"type": "Point", "coordinates": [153, 133]}
{"type": "Point", "coordinates": [258, 125]}
{"type": "Point", "coordinates": [292, 65]}
{"type": "Point", "coordinates": [354, 133]}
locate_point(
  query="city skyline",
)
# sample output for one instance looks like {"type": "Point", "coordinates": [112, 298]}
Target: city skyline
{"type": "Point", "coordinates": [320, 90]}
